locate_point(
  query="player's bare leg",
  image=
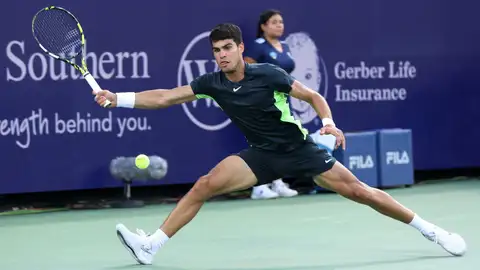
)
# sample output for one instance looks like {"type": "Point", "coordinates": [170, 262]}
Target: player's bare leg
{"type": "Point", "coordinates": [342, 181]}
{"type": "Point", "coordinates": [229, 175]}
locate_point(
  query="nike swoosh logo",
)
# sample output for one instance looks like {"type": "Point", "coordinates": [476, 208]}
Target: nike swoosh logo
{"type": "Point", "coordinates": [328, 160]}
{"type": "Point", "coordinates": [236, 89]}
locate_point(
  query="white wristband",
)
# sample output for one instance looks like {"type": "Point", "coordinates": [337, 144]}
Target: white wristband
{"type": "Point", "coordinates": [126, 100]}
{"type": "Point", "coordinates": [327, 121]}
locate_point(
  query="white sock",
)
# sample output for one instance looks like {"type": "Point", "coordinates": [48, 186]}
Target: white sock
{"type": "Point", "coordinates": [420, 224]}
{"type": "Point", "coordinates": [159, 238]}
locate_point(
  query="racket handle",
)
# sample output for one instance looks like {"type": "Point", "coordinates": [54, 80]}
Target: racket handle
{"type": "Point", "coordinates": [95, 87]}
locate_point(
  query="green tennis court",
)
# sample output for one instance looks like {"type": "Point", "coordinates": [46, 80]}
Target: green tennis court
{"type": "Point", "coordinates": [312, 232]}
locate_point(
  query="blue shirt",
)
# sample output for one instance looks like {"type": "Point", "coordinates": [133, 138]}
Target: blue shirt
{"type": "Point", "coordinates": [263, 52]}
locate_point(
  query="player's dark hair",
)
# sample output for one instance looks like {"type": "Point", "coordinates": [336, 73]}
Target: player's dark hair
{"type": "Point", "coordinates": [226, 31]}
{"type": "Point", "coordinates": [264, 17]}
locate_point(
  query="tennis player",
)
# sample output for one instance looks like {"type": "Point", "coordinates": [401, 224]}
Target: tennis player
{"type": "Point", "coordinates": [254, 96]}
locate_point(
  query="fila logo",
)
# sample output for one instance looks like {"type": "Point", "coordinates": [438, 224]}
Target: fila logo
{"type": "Point", "coordinates": [396, 157]}
{"type": "Point", "coordinates": [236, 89]}
{"type": "Point", "coordinates": [361, 162]}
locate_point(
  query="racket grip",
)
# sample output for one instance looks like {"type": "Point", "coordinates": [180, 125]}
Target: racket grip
{"type": "Point", "coordinates": [95, 87]}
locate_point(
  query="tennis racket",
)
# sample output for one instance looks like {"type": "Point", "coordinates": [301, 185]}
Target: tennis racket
{"type": "Point", "coordinates": [60, 35]}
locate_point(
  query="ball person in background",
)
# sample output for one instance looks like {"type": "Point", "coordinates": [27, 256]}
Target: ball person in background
{"type": "Point", "coordinates": [268, 48]}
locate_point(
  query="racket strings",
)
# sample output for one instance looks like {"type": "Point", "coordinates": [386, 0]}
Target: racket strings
{"type": "Point", "coordinates": [58, 33]}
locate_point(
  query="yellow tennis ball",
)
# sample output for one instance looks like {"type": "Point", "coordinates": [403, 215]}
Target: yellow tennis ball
{"type": "Point", "coordinates": [142, 161]}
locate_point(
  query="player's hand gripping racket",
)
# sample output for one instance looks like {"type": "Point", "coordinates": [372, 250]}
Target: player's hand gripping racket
{"type": "Point", "coordinates": [60, 35]}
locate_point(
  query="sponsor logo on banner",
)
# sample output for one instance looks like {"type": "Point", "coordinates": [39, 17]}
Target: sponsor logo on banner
{"type": "Point", "coordinates": [360, 162]}
{"type": "Point", "coordinates": [397, 157]}
{"type": "Point", "coordinates": [384, 79]}
{"type": "Point", "coordinates": [384, 82]}
{"type": "Point", "coordinates": [197, 60]}
{"type": "Point", "coordinates": [310, 70]}
{"type": "Point", "coordinates": [26, 62]}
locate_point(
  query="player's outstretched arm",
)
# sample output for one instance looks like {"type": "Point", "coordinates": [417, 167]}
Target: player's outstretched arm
{"type": "Point", "coordinates": [317, 101]}
{"type": "Point", "coordinates": [320, 105]}
{"type": "Point", "coordinates": [149, 99]}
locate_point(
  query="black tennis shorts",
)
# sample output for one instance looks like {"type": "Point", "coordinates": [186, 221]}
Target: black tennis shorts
{"type": "Point", "coordinates": [306, 160]}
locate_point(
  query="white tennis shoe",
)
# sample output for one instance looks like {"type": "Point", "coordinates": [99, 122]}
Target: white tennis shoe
{"type": "Point", "coordinates": [453, 243]}
{"type": "Point", "coordinates": [138, 244]}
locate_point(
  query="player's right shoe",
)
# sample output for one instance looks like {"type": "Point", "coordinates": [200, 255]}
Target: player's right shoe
{"type": "Point", "coordinates": [453, 243]}
{"type": "Point", "coordinates": [138, 244]}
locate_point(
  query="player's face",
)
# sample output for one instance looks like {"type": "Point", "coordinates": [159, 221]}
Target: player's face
{"type": "Point", "coordinates": [274, 26]}
{"type": "Point", "coordinates": [227, 54]}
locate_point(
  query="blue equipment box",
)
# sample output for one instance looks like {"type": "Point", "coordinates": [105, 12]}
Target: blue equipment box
{"type": "Point", "coordinates": [395, 166]}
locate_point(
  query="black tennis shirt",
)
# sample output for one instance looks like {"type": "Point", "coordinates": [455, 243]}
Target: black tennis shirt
{"type": "Point", "coordinates": [257, 105]}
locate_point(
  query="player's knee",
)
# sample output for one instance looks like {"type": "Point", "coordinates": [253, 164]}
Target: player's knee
{"type": "Point", "coordinates": [204, 188]}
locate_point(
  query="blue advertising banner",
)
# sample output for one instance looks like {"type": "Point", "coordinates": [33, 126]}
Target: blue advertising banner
{"type": "Point", "coordinates": [380, 64]}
